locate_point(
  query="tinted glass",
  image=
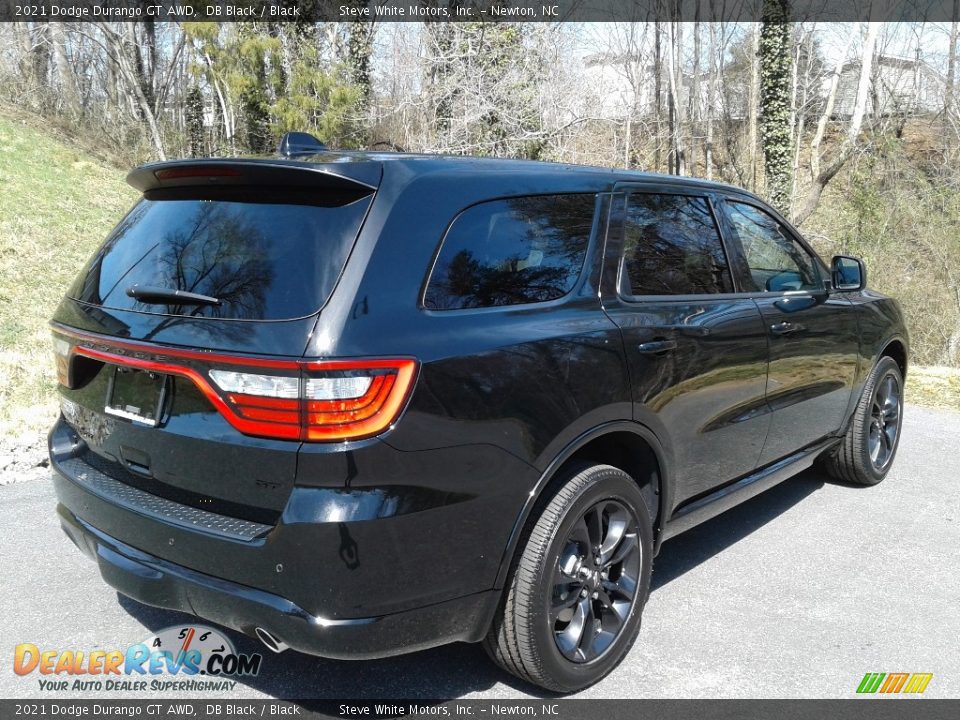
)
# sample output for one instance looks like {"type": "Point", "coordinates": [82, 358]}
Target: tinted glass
{"type": "Point", "coordinates": [513, 251]}
{"type": "Point", "coordinates": [672, 247]}
{"type": "Point", "coordinates": [263, 258]}
{"type": "Point", "coordinates": [776, 260]}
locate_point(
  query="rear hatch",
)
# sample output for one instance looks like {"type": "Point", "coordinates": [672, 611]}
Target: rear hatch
{"type": "Point", "coordinates": [179, 346]}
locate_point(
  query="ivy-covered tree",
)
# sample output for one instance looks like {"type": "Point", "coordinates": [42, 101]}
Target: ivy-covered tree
{"type": "Point", "coordinates": [196, 146]}
{"type": "Point", "coordinates": [775, 102]}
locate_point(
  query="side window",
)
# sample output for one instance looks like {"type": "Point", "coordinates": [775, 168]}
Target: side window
{"type": "Point", "coordinates": [512, 251]}
{"type": "Point", "coordinates": [776, 260]}
{"type": "Point", "coordinates": [672, 247]}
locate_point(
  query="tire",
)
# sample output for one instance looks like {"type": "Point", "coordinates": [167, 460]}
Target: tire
{"type": "Point", "coordinates": [555, 562]}
{"type": "Point", "coordinates": [859, 459]}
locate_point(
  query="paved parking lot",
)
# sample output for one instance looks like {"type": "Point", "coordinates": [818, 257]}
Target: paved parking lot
{"type": "Point", "coordinates": [797, 593]}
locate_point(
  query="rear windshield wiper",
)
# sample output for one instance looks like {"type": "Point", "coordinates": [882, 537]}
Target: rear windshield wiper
{"type": "Point", "coordinates": [169, 296]}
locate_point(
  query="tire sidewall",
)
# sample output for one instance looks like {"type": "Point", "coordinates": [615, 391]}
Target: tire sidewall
{"type": "Point", "coordinates": [609, 484]}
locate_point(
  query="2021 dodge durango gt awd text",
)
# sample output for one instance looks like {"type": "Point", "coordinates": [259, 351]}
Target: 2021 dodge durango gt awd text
{"type": "Point", "coordinates": [363, 404]}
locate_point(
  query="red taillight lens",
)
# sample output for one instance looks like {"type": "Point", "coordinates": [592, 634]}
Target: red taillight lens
{"type": "Point", "coordinates": [323, 400]}
{"type": "Point", "coordinates": [366, 400]}
{"type": "Point", "coordinates": [331, 400]}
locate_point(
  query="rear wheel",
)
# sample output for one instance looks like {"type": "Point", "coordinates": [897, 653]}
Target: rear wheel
{"type": "Point", "coordinates": [870, 444]}
{"type": "Point", "coordinates": [572, 608]}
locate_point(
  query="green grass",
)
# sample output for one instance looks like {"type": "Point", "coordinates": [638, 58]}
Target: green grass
{"type": "Point", "coordinates": [57, 203]}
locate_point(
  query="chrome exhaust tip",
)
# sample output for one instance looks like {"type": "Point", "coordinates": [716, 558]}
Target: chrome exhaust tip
{"type": "Point", "coordinates": [270, 640]}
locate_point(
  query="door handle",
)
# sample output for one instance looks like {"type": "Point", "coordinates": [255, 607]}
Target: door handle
{"type": "Point", "coordinates": [785, 328]}
{"type": "Point", "coordinates": [657, 346]}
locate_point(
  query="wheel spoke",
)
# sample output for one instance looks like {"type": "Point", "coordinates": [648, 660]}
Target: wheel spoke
{"type": "Point", "coordinates": [568, 639]}
{"type": "Point", "coordinates": [586, 636]}
{"type": "Point", "coordinates": [889, 390]}
{"type": "Point", "coordinates": [627, 546]}
{"type": "Point", "coordinates": [624, 587]}
{"type": "Point", "coordinates": [873, 443]}
{"type": "Point", "coordinates": [581, 536]}
{"type": "Point", "coordinates": [594, 520]}
{"type": "Point", "coordinates": [616, 530]}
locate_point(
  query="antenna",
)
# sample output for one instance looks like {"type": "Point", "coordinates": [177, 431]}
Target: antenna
{"type": "Point", "coordinates": [299, 143]}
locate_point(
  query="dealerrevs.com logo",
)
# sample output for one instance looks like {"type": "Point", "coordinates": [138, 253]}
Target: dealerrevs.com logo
{"type": "Point", "coordinates": [191, 657]}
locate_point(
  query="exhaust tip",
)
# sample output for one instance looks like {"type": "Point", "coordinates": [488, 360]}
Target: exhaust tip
{"type": "Point", "coordinates": [270, 640]}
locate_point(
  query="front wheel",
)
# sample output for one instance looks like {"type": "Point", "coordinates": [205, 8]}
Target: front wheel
{"type": "Point", "coordinates": [866, 453]}
{"type": "Point", "coordinates": [572, 608]}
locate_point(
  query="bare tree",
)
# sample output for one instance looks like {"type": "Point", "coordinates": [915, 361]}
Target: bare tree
{"type": "Point", "coordinates": [822, 176]}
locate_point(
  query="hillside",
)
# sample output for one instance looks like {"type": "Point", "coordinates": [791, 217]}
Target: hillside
{"type": "Point", "coordinates": [57, 203]}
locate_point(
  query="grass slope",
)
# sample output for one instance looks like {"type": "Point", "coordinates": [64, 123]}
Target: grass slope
{"type": "Point", "coordinates": [57, 203]}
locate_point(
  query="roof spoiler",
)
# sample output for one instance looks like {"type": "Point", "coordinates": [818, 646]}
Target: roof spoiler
{"type": "Point", "coordinates": [217, 172]}
{"type": "Point", "coordinates": [299, 143]}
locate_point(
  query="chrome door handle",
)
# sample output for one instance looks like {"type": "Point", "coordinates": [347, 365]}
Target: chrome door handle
{"type": "Point", "coordinates": [657, 346]}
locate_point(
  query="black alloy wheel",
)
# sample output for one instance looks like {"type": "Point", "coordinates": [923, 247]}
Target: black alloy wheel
{"type": "Point", "coordinates": [595, 581]}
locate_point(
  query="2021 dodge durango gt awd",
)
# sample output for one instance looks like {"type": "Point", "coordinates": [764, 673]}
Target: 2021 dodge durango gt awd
{"type": "Point", "coordinates": [362, 404]}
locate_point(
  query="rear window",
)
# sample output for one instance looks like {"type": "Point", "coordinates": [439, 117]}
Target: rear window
{"type": "Point", "coordinates": [511, 252]}
{"type": "Point", "coordinates": [264, 255]}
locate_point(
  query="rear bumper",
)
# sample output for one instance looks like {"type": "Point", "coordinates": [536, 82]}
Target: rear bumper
{"type": "Point", "coordinates": [157, 582]}
{"type": "Point", "coordinates": [344, 573]}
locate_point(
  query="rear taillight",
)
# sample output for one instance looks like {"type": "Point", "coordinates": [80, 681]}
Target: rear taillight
{"type": "Point", "coordinates": [326, 400]}
{"type": "Point", "coordinates": [312, 400]}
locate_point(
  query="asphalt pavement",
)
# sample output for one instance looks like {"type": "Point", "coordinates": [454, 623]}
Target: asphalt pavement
{"type": "Point", "coordinates": [796, 593]}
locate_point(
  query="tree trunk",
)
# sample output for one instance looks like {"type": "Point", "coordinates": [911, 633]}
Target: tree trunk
{"type": "Point", "coordinates": [712, 101]}
{"type": "Point", "coordinates": [948, 97]}
{"type": "Point", "coordinates": [657, 107]}
{"type": "Point", "coordinates": [775, 102]}
{"type": "Point", "coordinates": [40, 54]}
{"type": "Point", "coordinates": [863, 87]}
{"type": "Point", "coordinates": [753, 106]}
{"type": "Point", "coordinates": [828, 108]}
{"type": "Point", "coordinates": [801, 113]}
{"type": "Point", "coordinates": [693, 106]}
{"type": "Point", "coordinates": [68, 82]}
{"type": "Point", "coordinates": [677, 165]}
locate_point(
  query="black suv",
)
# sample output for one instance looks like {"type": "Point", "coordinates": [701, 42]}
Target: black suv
{"type": "Point", "coordinates": [360, 404]}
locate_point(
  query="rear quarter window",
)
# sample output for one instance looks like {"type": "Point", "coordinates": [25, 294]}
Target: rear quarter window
{"type": "Point", "coordinates": [512, 251]}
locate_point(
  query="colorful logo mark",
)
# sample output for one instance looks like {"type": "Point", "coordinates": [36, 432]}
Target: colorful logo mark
{"type": "Point", "coordinates": [887, 683]}
{"type": "Point", "coordinates": [186, 650]}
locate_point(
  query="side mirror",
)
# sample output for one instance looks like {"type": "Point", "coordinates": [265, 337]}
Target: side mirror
{"type": "Point", "coordinates": [849, 273]}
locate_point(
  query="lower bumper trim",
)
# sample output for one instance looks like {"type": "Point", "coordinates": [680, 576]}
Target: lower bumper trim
{"type": "Point", "coordinates": [160, 583]}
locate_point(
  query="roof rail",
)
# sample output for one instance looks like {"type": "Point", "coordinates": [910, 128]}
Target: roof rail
{"type": "Point", "coordinates": [299, 143]}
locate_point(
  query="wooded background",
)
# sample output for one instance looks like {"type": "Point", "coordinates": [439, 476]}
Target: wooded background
{"type": "Point", "coordinates": [851, 130]}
